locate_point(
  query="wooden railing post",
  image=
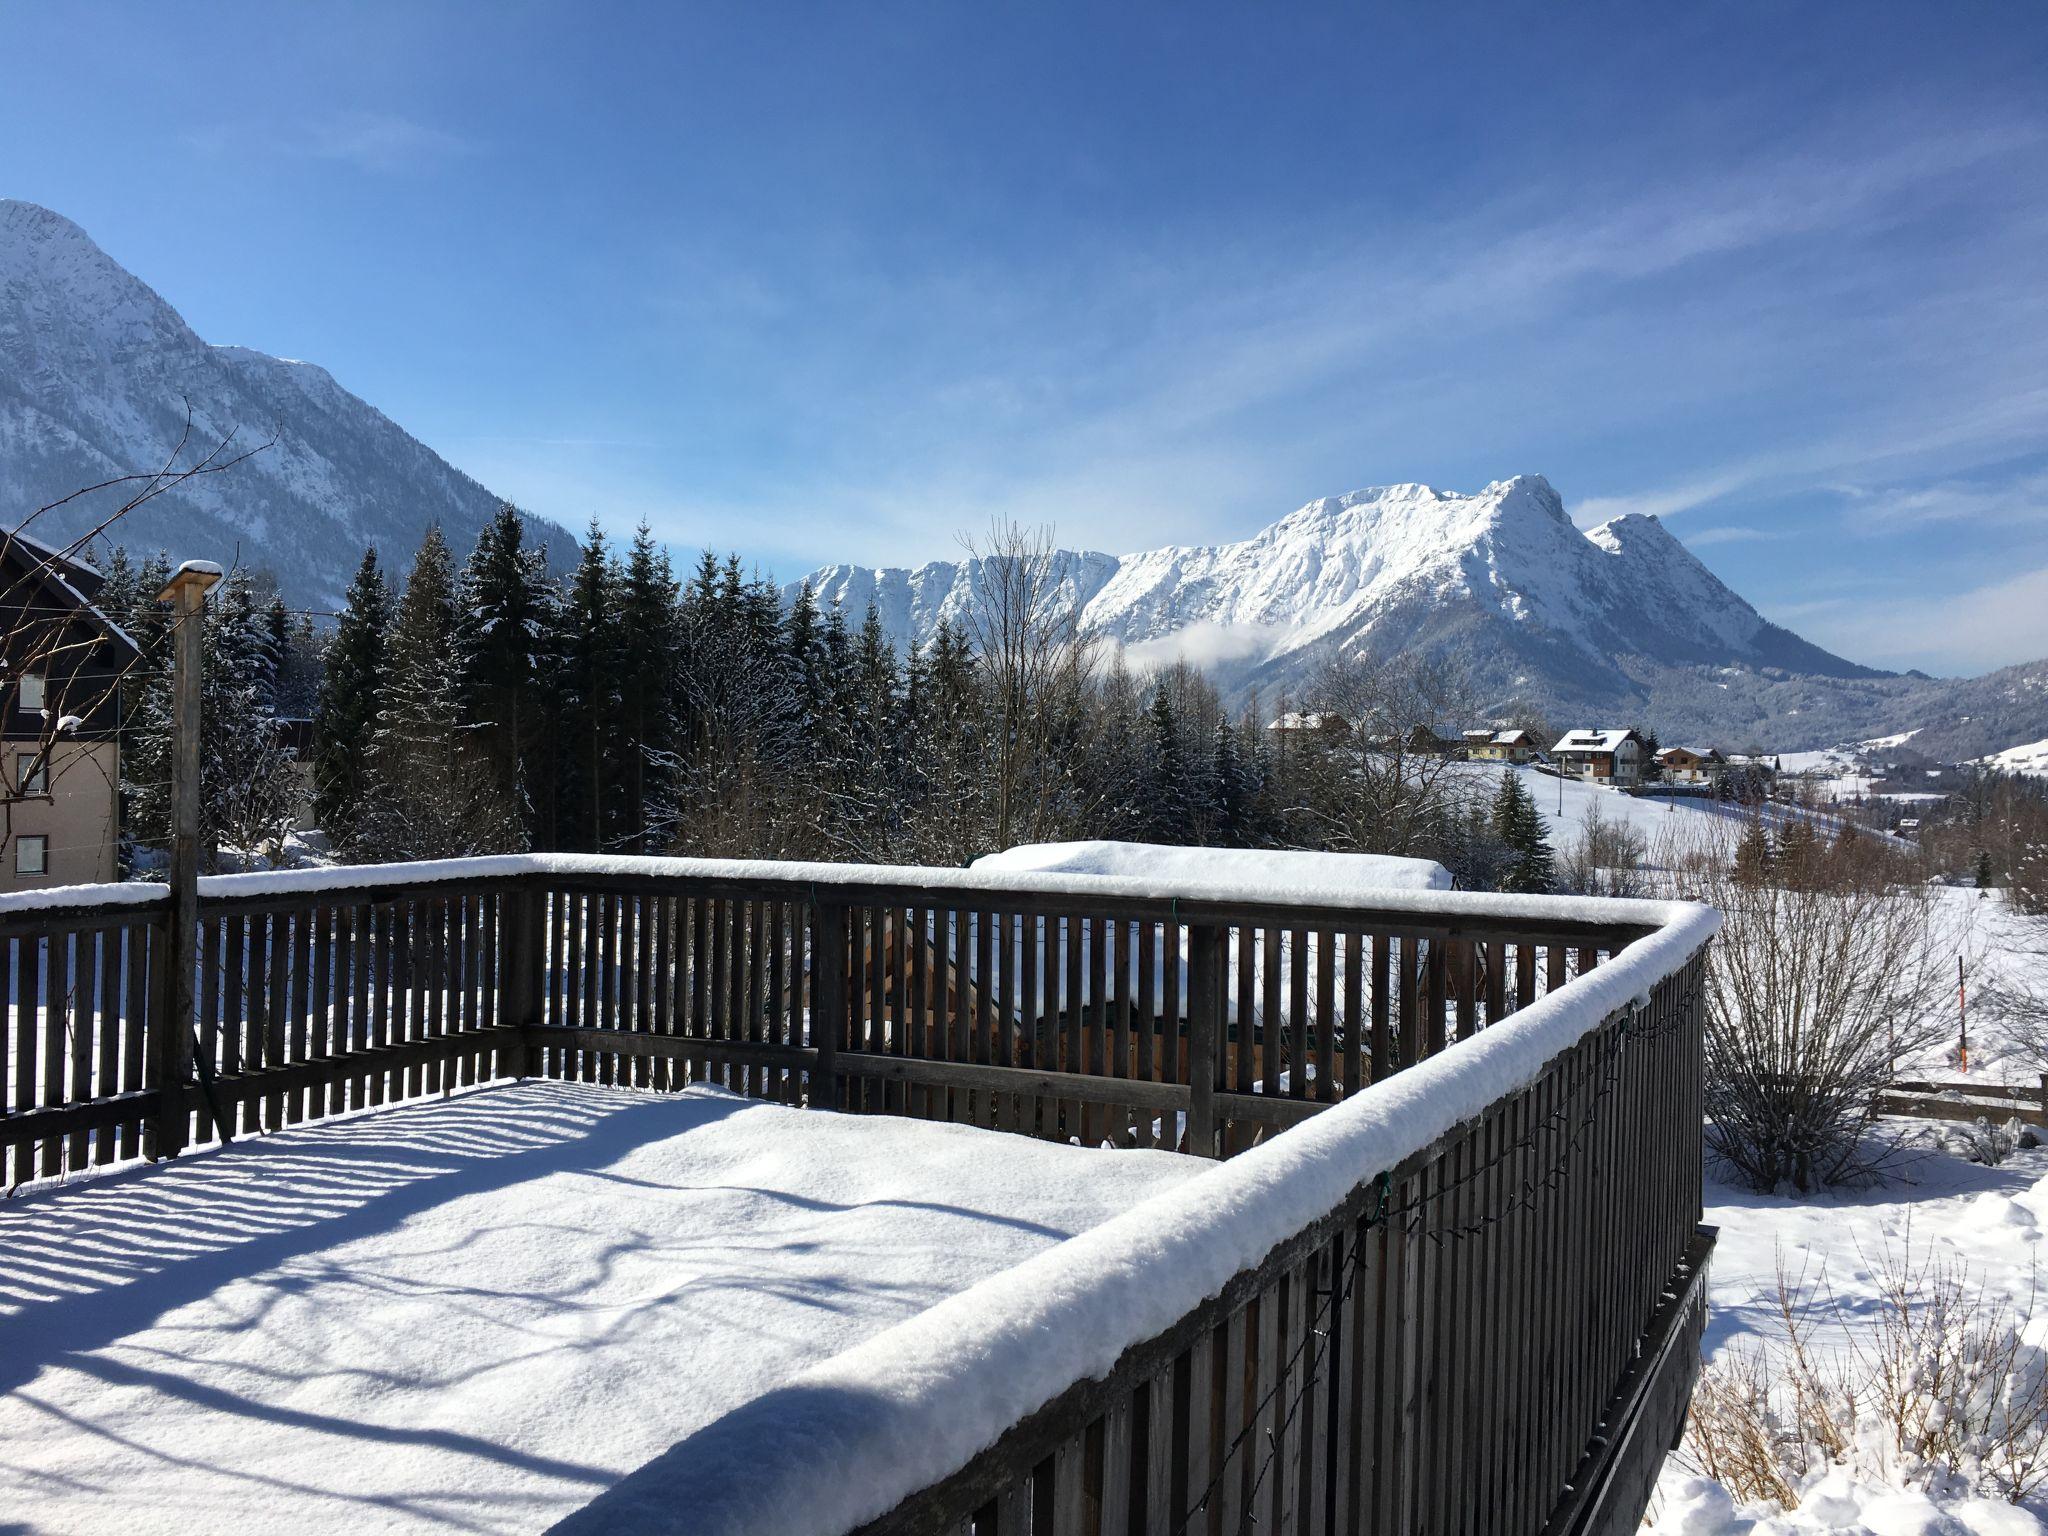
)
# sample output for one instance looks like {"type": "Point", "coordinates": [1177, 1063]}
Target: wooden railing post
{"type": "Point", "coordinates": [522, 966]}
{"type": "Point", "coordinates": [828, 998]}
{"type": "Point", "coordinates": [172, 1003]}
{"type": "Point", "coordinates": [1205, 1029]}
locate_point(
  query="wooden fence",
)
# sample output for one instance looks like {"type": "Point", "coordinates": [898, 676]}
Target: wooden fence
{"type": "Point", "coordinates": [1966, 1101]}
{"type": "Point", "coordinates": [1461, 1346]}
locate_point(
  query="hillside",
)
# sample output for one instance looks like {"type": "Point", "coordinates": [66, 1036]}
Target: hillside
{"type": "Point", "coordinates": [96, 371]}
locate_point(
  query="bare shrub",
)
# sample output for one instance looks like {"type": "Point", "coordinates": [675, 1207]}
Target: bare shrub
{"type": "Point", "coordinates": [1817, 987]}
{"type": "Point", "coordinates": [1607, 858]}
{"type": "Point", "coordinates": [1025, 629]}
{"type": "Point", "coordinates": [1934, 1386]}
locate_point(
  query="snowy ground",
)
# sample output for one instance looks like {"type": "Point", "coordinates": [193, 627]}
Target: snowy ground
{"type": "Point", "coordinates": [477, 1313]}
{"type": "Point", "coordinates": [1990, 1218]}
{"type": "Point", "coordinates": [1936, 1203]}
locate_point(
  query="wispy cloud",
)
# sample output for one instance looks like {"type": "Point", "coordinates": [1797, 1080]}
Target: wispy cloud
{"type": "Point", "coordinates": [380, 142]}
{"type": "Point", "coordinates": [1593, 510]}
{"type": "Point", "coordinates": [1733, 533]}
{"type": "Point", "coordinates": [383, 141]}
{"type": "Point", "coordinates": [2020, 499]}
{"type": "Point", "coordinates": [1970, 631]}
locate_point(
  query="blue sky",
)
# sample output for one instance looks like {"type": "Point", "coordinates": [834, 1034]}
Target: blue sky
{"type": "Point", "coordinates": [840, 282]}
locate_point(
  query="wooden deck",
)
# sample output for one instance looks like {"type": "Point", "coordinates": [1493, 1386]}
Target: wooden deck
{"type": "Point", "coordinates": [1457, 1346]}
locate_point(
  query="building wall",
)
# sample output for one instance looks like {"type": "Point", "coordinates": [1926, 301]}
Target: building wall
{"type": "Point", "coordinates": [79, 815]}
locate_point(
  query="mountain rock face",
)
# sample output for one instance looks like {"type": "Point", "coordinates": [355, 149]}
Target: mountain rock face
{"type": "Point", "coordinates": [1620, 624]}
{"type": "Point", "coordinates": [95, 374]}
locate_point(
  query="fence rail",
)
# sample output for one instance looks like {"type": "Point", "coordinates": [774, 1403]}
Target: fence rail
{"type": "Point", "coordinates": [1388, 1367]}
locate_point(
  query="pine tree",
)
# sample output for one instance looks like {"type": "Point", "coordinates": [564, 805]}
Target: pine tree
{"type": "Point", "coordinates": [1519, 825]}
{"type": "Point", "coordinates": [248, 795]}
{"type": "Point", "coordinates": [593, 658]}
{"type": "Point", "coordinates": [351, 694]}
{"type": "Point", "coordinates": [1753, 855]}
{"type": "Point", "coordinates": [427, 797]}
{"type": "Point", "coordinates": [1169, 801]}
{"type": "Point", "coordinates": [649, 643]}
{"type": "Point", "coordinates": [504, 612]}
{"type": "Point", "coordinates": [146, 721]}
{"type": "Point", "coordinates": [1231, 808]}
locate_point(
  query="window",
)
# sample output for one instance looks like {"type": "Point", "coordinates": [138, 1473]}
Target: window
{"type": "Point", "coordinates": [31, 773]}
{"type": "Point", "coordinates": [32, 855]}
{"type": "Point", "coordinates": [32, 692]}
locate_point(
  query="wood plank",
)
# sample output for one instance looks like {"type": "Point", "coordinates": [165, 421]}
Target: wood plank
{"type": "Point", "coordinates": [56, 956]}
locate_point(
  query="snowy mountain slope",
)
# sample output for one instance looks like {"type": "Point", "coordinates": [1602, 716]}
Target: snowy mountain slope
{"type": "Point", "coordinates": [1622, 620]}
{"type": "Point", "coordinates": [95, 373]}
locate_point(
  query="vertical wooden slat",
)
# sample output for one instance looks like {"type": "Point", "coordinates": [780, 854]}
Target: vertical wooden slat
{"type": "Point", "coordinates": [275, 962]}
{"type": "Point", "coordinates": [84, 1036]}
{"type": "Point", "coordinates": [138, 1021]}
{"type": "Point", "coordinates": [109, 945]}
{"type": "Point", "coordinates": [21, 1051]}
{"type": "Point", "coordinates": [299, 1009]}
{"type": "Point", "coordinates": [1325, 958]}
{"type": "Point", "coordinates": [1205, 1029]}
{"type": "Point", "coordinates": [56, 955]}
{"type": "Point", "coordinates": [1299, 1023]}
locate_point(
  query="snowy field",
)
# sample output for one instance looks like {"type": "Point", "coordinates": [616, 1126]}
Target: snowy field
{"type": "Point", "coordinates": [1936, 1205]}
{"type": "Point", "coordinates": [1991, 1219]}
{"type": "Point", "coordinates": [476, 1313]}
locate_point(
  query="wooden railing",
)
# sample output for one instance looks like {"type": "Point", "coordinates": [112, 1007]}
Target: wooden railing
{"type": "Point", "coordinates": [1453, 1346]}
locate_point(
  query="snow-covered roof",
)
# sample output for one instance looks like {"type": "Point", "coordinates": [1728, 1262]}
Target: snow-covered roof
{"type": "Point", "coordinates": [1704, 754]}
{"type": "Point", "coordinates": [1592, 741]}
{"type": "Point", "coordinates": [1203, 870]}
{"type": "Point", "coordinates": [1295, 720]}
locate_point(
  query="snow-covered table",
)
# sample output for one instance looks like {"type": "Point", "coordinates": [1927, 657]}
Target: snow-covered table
{"type": "Point", "coordinates": [476, 1313]}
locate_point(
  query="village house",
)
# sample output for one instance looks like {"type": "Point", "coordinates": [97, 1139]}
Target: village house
{"type": "Point", "coordinates": [1501, 747]}
{"type": "Point", "coordinates": [60, 718]}
{"type": "Point", "coordinates": [1605, 757]}
{"type": "Point", "coordinates": [1691, 765]}
{"type": "Point", "coordinates": [1323, 723]}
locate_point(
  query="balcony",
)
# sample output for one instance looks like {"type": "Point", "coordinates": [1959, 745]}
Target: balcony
{"type": "Point", "coordinates": [1441, 1268]}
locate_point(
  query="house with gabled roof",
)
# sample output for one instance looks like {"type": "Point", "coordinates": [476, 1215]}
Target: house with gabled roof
{"type": "Point", "coordinates": [1691, 765]}
{"type": "Point", "coordinates": [1603, 756]}
{"type": "Point", "coordinates": [61, 660]}
{"type": "Point", "coordinates": [1516, 746]}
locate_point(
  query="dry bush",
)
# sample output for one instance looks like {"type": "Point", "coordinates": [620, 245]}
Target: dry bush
{"type": "Point", "coordinates": [1823, 978]}
{"type": "Point", "coordinates": [1607, 858]}
{"type": "Point", "coordinates": [1936, 1387]}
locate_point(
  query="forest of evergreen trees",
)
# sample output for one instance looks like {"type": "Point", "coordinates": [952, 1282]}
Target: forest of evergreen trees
{"type": "Point", "coordinates": [493, 705]}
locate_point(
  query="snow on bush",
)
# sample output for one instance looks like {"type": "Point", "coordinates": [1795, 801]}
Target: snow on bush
{"type": "Point", "coordinates": [1939, 1387]}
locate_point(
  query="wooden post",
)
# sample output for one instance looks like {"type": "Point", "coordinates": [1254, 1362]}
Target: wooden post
{"type": "Point", "coordinates": [1205, 1018]}
{"type": "Point", "coordinates": [171, 1058]}
{"type": "Point", "coordinates": [828, 999]}
{"type": "Point", "coordinates": [522, 966]}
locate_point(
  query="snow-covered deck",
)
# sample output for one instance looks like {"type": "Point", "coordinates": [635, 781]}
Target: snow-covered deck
{"type": "Point", "coordinates": [477, 1313]}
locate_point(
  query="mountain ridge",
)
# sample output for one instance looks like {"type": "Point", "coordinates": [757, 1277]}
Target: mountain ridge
{"type": "Point", "coordinates": [97, 371]}
{"type": "Point", "coordinates": [1620, 622]}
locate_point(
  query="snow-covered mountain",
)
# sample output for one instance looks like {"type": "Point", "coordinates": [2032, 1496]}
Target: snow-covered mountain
{"type": "Point", "coordinates": [1621, 621]}
{"type": "Point", "coordinates": [95, 374]}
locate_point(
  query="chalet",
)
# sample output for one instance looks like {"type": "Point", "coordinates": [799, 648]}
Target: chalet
{"type": "Point", "coordinates": [60, 718]}
{"type": "Point", "coordinates": [1605, 757]}
{"type": "Point", "coordinates": [1323, 723]}
{"type": "Point", "coordinates": [1501, 747]}
{"type": "Point", "coordinates": [1691, 765]}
